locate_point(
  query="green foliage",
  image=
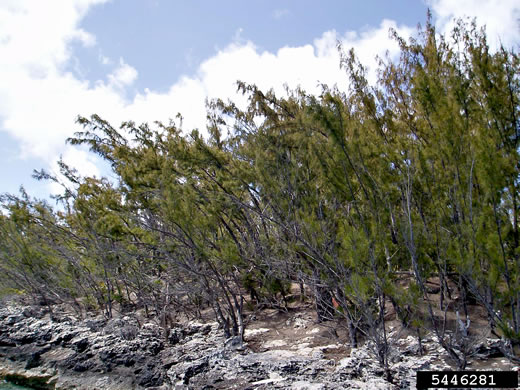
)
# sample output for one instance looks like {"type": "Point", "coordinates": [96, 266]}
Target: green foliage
{"type": "Point", "coordinates": [416, 175]}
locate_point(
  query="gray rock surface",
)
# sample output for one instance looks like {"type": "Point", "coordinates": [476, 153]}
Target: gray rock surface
{"type": "Point", "coordinates": [122, 354]}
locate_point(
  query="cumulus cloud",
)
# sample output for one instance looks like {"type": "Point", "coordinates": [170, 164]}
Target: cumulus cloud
{"type": "Point", "coordinates": [501, 17]}
{"type": "Point", "coordinates": [39, 99]}
{"type": "Point", "coordinates": [38, 34]}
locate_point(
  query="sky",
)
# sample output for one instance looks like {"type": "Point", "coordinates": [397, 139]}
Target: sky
{"type": "Point", "coordinates": [147, 60]}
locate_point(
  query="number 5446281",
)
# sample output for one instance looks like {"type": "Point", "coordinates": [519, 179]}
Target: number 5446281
{"type": "Point", "coordinates": [464, 379]}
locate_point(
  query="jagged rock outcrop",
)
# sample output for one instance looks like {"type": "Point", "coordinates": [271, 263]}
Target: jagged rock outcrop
{"type": "Point", "coordinates": [65, 353]}
{"type": "Point", "coordinates": [96, 353]}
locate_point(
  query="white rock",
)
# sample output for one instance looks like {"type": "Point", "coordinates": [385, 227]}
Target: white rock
{"type": "Point", "coordinates": [253, 332]}
{"type": "Point", "coordinates": [275, 343]}
{"type": "Point", "coordinates": [304, 385]}
{"type": "Point", "coordinates": [273, 377]}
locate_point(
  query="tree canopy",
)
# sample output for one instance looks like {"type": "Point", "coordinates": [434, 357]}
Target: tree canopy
{"type": "Point", "coordinates": [363, 197]}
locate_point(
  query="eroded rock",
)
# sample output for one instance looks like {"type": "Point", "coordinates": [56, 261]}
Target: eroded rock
{"type": "Point", "coordinates": [124, 354]}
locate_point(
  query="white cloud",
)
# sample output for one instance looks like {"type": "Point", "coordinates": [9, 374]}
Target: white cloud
{"type": "Point", "coordinates": [39, 100]}
{"type": "Point", "coordinates": [306, 66]}
{"type": "Point", "coordinates": [86, 164]}
{"type": "Point", "coordinates": [185, 97]}
{"type": "Point", "coordinates": [501, 17]}
{"type": "Point", "coordinates": [76, 157]}
{"type": "Point", "coordinates": [39, 104]}
{"type": "Point", "coordinates": [36, 33]}
{"type": "Point", "coordinates": [123, 76]}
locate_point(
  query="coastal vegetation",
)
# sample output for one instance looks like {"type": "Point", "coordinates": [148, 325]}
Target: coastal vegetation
{"type": "Point", "coordinates": [402, 195]}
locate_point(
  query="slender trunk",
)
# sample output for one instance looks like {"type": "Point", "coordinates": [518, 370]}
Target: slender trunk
{"type": "Point", "coordinates": [507, 274]}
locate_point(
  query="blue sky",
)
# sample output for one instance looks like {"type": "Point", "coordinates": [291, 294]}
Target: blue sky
{"type": "Point", "coordinates": [146, 60]}
{"type": "Point", "coordinates": [164, 39]}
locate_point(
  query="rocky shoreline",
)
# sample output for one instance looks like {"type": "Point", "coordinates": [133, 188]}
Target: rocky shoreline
{"type": "Point", "coordinates": [64, 353]}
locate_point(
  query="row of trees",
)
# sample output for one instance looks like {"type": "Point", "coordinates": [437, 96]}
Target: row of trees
{"type": "Point", "coordinates": [365, 197]}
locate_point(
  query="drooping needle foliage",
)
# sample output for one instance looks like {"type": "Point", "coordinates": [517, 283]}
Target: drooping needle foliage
{"type": "Point", "coordinates": [365, 199]}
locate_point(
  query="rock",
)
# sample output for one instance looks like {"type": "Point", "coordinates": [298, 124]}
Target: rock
{"type": "Point", "coordinates": [412, 349]}
{"type": "Point", "coordinates": [298, 321]}
{"type": "Point", "coordinates": [490, 349]}
{"type": "Point", "coordinates": [87, 347]}
{"type": "Point", "coordinates": [304, 385]}
{"type": "Point", "coordinates": [185, 371]}
{"type": "Point", "coordinates": [273, 378]}
{"type": "Point", "coordinates": [122, 354]}
{"type": "Point", "coordinates": [95, 324]}
{"type": "Point", "coordinates": [150, 377]}
{"type": "Point", "coordinates": [234, 343]}
{"type": "Point", "coordinates": [80, 344]}
{"type": "Point", "coordinates": [125, 328]}
{"type": "Point", "coordinates": [29, 378]}
{"type": "Point", "coordinates": [83, 366]}
{"type": "Point", "coordinates": [13, 319]}
{"type": "Point", "coordinates": [175, 336]}
{"type": "Point", "coordinates": [33, 361]}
